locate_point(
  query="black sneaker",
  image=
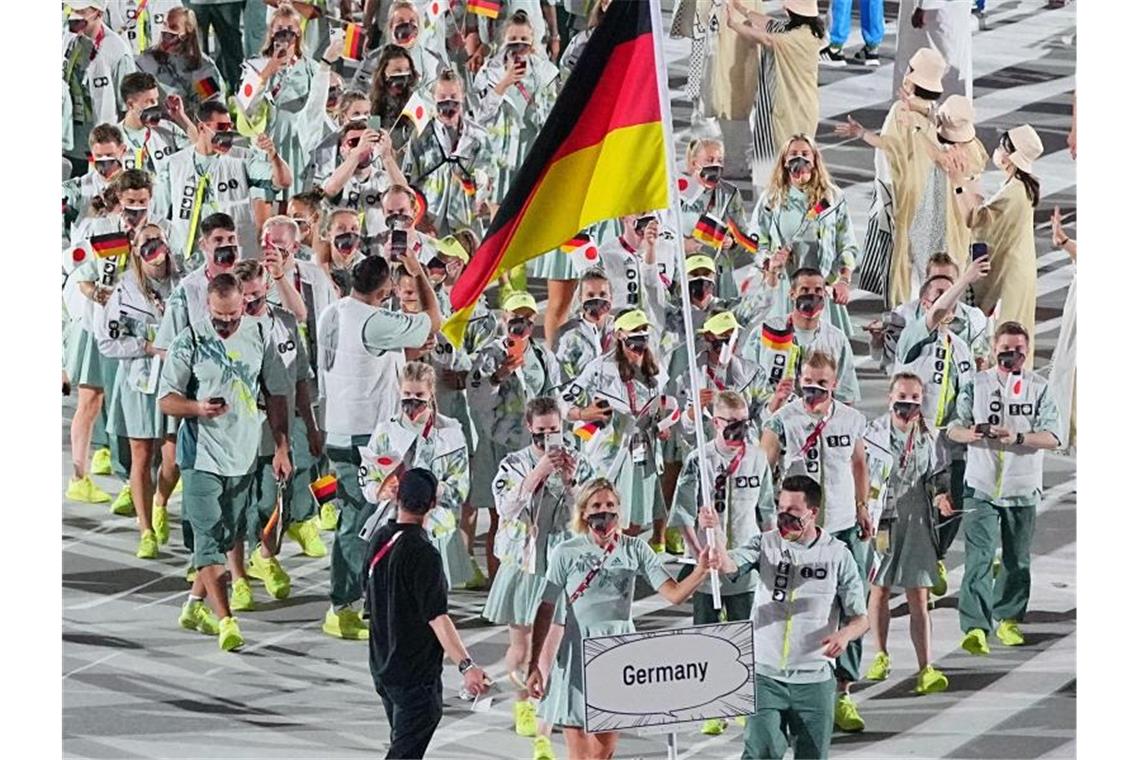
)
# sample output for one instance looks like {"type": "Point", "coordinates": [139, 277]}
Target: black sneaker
{"type": "Point", "coordinates": [832, 58]}
{"type": "Point", "coordinates": [867, 56]}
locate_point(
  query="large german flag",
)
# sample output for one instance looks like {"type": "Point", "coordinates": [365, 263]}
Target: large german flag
{"type": "Point", "coordinates": [601, 154]}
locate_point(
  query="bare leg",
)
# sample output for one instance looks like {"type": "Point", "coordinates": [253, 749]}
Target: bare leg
{"type": "Point", "coordinates": [658, 530]}
{"type": "Point", "coordinates": [167, 471]}
{"type": "Point", "coordinates": [518, 653]}
{"type": "Point", "coordinates": [560, 294]}
{"type": "Point", "coordinates": [919, 624]}
{"type": "Point", "coordinates": [142, 483]}
{"type": "Point", "coordinates": [880, 613]}
{"type": "Point", "coordinates": [209, 584]}
{"type": "Point", "coordinates": [235, 559]}
{"type": "Point", "coordinates": [492, 560]}
{"type": "Point", "coordinates": [468, 516]}
{"type": "Point", "coordinates": [87, 406]}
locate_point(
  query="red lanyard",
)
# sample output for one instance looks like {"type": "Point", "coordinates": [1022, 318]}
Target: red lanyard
{"type": "Point", "coordinates": [585, 584]}
{"type": "Point", "coordinates": [629, 249]}
{"type": "Point", "coordinates": [98, 42]}
{"type": "Point", "coordinates": [906, 452]}
{"type": "Point", "coordinates": [383, 551]}
{"type": "Point", "coordinates": [712, 376]}
{"type": "Point", "coordinates": [631, 393]}
{"type": "Point", "coordinates": [813, 436]}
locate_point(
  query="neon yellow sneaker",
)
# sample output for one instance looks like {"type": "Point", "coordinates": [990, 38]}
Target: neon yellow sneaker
{"type": "Point", "coordinates": [741, 720]}
{"type": "Point", "coordinates": [148, 546]}
{"type": "Point", "coordinates": [543, 749]}
{"type": "Point", "coordinates": [847, 717]}
{"type": "Point", "coordinates": [345, 623]}
{"type": "Point", "coordinates": [975, 642]}
{"type": "Point", "coordinates": [229, 636]}
{"type": "Point", "coordinates": [657, 548]}
{"type": "Point", "coordinates": [526, 722]}
{"type": "Point", "coordinates": [191, 574]}
{"type": "Point", "coordinates": [123, 505]}
{"type": "Point", "coordinates": [714, 727]}
{"type": "Point", "coordinates": [931, 681]}
{"type": "Point", "coordinates": [880, 668]}
{"type": "Point", "coordinates": [1009, 633]}
{"type": "Point", "coordinates": [674, 541]}
{"type": "Point", "coordinates": [101, 462]}
{"type": "Point", "coordinates": [478, 581]}
{"type": "Point", "coordinates": [269, 571]}
{"type": "Point", "coordinates": [161, 522]}
{"type": "Point", "coordinates": [241, 596]}
{"type": "Point", "coordinates": [84, 490]}
{"type": "Point", "coordinates": [939, 587]}
{"type": "Point", "coordinates": [328, 517]}
{"type": "Point", "coordinates": [306, 535]}
{"type": "Point", "coordinates": [196, 616]}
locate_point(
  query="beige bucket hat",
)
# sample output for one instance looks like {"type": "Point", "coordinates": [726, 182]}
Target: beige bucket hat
{"type": "Point", "coordinates": [1027, 147]}
{"type": "Point", "coordinates": [956, 119]}
{"type": "Point", "coordinates": [808, 8]}
{"type": "Point", "coordinates": [927, 68]}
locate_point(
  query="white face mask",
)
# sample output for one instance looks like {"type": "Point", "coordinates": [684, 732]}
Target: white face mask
{"type": "Point", "coordinates": [997, 157]}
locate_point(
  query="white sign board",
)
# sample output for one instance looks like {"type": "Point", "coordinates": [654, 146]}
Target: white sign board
{"type": "Point", "coordinates": [664, 677]}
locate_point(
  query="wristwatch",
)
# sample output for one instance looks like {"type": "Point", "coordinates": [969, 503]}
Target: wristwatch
{"type": "Point", "coordinates": [1020, 440]}
{"type": "Point", "coordinates": [465, 664]}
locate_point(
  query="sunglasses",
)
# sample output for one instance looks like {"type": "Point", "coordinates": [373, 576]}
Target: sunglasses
{"type": "Point", "coordinates": [637, 342]}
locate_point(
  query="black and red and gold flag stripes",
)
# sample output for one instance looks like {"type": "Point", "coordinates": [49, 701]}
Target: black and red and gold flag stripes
{"type": "Point", "coordinates": [600, 155]}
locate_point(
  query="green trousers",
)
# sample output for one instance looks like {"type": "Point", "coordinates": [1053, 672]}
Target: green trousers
{"type": "Point", "coordinates": [347, 566]}
{"type": "Point", "coordinates": [225, 20]}
{"type": "Point", "coordinates": [847, 665]}
{"type": "Point", "coordinates": [808, 711]}
{"type": "Point", "coordinates": [733, 607]}
{"type": "Point", "coordinates": [986, 525]}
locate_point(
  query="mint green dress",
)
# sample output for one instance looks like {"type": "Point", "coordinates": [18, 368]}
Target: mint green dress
{"type": "Point", "coordinates": [604, 609]}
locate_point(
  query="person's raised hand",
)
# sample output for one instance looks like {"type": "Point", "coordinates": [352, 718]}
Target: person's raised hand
{"type": "Point", "coordinates": [977, 269]}
{"type": "Point", "coordinates": [850, 128]}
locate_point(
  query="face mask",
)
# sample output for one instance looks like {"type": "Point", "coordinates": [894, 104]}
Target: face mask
{"type": "Point", "coordinates": [1011, 361]}
{"type": "Point", "coordinates": [223, 140]}
{"type": "Point", "coordinates": [153, 249]}
{"type": "Point", "coordinates": [284, 37]}
{"type": "Point", "coordinates": [698, 289]}
{"type": "Point", "coordinates": [601, 522]}
{"type": "Point", "coordinates": [997, 156]}
{"type": "Point", "coordinates": [398, 221]}
{"type": "Point", "coordinates": [714, 345]}
{"type": "Point", "coordinates": [637, 344]}
{"type": "Point", "coordinates": [332, 99]}
{"type": "Point", "coordinates": [153, 115]}
{"type": "Point", "coordinates": [169, 40]}
{"type": "Point", "coordinates": [519, 327]}
{"type": "Point", "coordinates": [107, 167]}
{"type": "Point", "coordinates": [710, 174]}
{"type": "Point", "coordinates": [404, 32]}
{"type": "Point", "coordinates": [133, 215]}
{"type": "Point", "coordinates": [447, 108]}
{"type": "Point", "coordinates": [225, 327]}
{"type": "Point", "coordinates": [596, 308]}
{"type": "Point", "coordinates": [790, 526]}
{"type": "Point", "coordinates": [399, 82]}
{"type": "Point", "coordinates": [906, 410]}
{"type": "Point", "coordinates": [809, 304]}
{"type": "Point", "coordinates": [346, 242]}
{"type": "Point", "coordinates": [814, 395]}
{"type": "Point", "coordinates": [798, 165]}
{"type": "Point", "coordinates": [77, 25]}
{"type": "Point", "coordinates": [225, 255]}
{"type": "Point", "coordinates": [413, 407]}
{"type": "Point", "coordinates": [518, 49]}
{"type": "Point", "coordinates": [734, 432]}
{"type": "Point", "coordinates": [539, 440]}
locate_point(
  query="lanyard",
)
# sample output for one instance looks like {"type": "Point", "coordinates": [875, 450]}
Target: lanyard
{"type": "Point", "coordinates": [98, 40]}
{"type": "Point", "coordinates": [142, 18]}
{"type": "Point", "coordinates": [383, 551]}
{"type": "Point", "coordinates": [812, 438]}
{"type": "Point", "coordinates": [907, 449]}
{"type": "Point", "coordinates": [720, 386]}
{"type": "Point", "coordinates": [944, 387]}
{"type": "Point", "coordinates": [142, 152]}
{"type": "Point", "coordinates": [585, 584]}
{"type": "Point", "coordinates": [631, 394]}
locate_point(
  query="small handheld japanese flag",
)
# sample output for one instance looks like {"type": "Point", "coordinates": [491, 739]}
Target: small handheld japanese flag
{"type": "Point", "coordinates": [376, 470]}
{"type": "Point", "coordinates": [582, 252]}
{"type": "Point", "coordinates": [434, 10]}
{"type": "Point", "coordinates": [1015, 386]}
{"type": "Point", "coordinates": [688, 189]}
{"type": "Point", "coordinates": [416, 110]}
{"type": "Point", "coordinates": [250, 83]}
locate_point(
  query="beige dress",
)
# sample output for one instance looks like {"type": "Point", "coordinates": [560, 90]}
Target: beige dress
{"type": "Point", "coordinates": [796, 107]}
{"type": "Point", "coordinates": [1005, 223]}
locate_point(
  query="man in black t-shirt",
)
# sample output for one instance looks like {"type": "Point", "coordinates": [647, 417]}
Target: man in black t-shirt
{"type": "Point", "coordinates": [409, 629]}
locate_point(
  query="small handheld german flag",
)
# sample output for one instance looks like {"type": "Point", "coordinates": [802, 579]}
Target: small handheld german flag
{"type": "Point", "coordinates": [586, 431]}
{"type": "Point", "coordinates": [582, 251]}
{"type": "Point", "coordinates": [206, 88]}
{"type": "Point", "coordinates": [743, 239]}
{"type": "Point", "coordinates": [354, 42]}
{"type": "Point", "coordinates": [575, 242]}
{"type": "Point", "coordinates": [487, 8]}
{"type": "Point", "coordinates": [324, 489]}
{"type": "Point", "coordinates": [467, 182]}
{"type": "Point", "coordinates": [111, 245]}
{"type": "Point", "coordinates": [777, 339]}
{"type": "Point", "coordinates": [710, 231]}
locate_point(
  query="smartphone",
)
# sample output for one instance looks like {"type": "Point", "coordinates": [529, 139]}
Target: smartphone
{"type": "Point", "coordinates": [374, 123]}
{"type": "Point", "coordinates": [643, 222]}
{"type": "Point", "coordinates": [218, 401]}
{"type": "Point", "coordinates": [399, 242]}
{"type": "Point", "coordinates": [553, 442]}
{"type": "Point", "coordinates": [979, 250]}
{"type": "Point", "coordinates": [516, 347]}
{"type": "Point", "coordinates": [983, 429]}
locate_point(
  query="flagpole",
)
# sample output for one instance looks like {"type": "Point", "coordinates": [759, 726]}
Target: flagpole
{"type": "Point", "coordinates": [679, 273]}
